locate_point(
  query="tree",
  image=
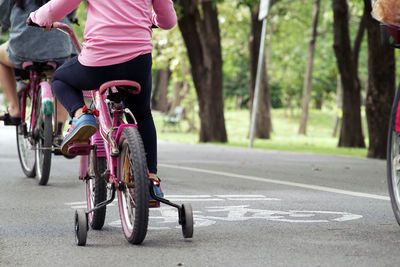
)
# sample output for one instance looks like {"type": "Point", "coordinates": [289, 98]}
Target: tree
{"type": "Point", "coordinates": [351, 130]}
{"type": "Point", "coordinates": [159, 100]}
{"type": "Point", "coordinates": [309, 69]}
{"type": "Point", "coordinates": [381, 87]}
{"type": "Point", "coordinates": [198, 22]}
{"type": "Point", "coordinates": [263, 123]}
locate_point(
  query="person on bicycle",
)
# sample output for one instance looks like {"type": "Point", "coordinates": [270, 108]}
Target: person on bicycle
{"type": "Point", "coordinates": [26, 44]}
{"type": "Point", "coordinates": [117, 46]}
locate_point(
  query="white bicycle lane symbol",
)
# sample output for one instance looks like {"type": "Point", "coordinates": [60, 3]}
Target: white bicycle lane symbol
{"type": "Point", "coordinates": [166, 217]}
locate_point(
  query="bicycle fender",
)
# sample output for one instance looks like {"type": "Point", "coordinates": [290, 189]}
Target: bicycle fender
{"type": "Point", "coordinates": [47, 98]}
{"type": "Point", "coordinates": [121, 127]}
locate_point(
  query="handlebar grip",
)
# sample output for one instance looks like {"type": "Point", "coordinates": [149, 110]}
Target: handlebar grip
{"type": "Point", "coordinates": [29, 22]}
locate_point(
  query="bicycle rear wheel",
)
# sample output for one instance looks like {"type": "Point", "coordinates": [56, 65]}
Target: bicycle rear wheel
{"type": "Point", "coordinates": [44, 142]}
{"type": "Point", "coordinates": [393, 170]}
{"type": "Point", "coordinates": [25, 141]}
{"type": "Point", "coordinates": [133, 196]}
{"type": "Point", "coordinates": [96, 192]}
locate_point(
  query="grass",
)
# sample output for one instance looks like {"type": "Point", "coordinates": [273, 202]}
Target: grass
{"type": "Point", "coordinates": [318, 140]}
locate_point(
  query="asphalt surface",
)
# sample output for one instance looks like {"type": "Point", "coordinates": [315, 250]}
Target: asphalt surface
{"type": "Point", "coordinates": [251, 208]}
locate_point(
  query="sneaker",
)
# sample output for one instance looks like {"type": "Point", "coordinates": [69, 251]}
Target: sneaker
{"type": "Point", "coordinates": [81, 129]}
{"type": "Point", "coordinates": [57, 147]}
{"type": "Point", "coordinates": [157, 190]}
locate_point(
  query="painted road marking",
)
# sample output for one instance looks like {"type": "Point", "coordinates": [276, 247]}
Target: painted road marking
{"type": "Point", "coordinates": [191, 198]}
{"type": "Point", "coordinates": [244, 213]}
{"type": "Point", "coordinates": [267, 180]}
{"type": "Point", "coordinates": [166, 217]}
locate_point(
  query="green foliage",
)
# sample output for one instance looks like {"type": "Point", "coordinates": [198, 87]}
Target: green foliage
{"type": "Point", "coordinates": [289, 29]}
{"type": "Point", "coordinates": [3, 37]}
{"type": "Point", "coordinates": [235, 37]}
{"type": "Point", "coordinates": [275, 95]}
{"type": "Point", "coordinates": [81, 15]}
{"type": "Point", "coordinates": [318, 141]}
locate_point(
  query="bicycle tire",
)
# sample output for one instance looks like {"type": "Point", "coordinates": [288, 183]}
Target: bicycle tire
{"type": "Point", "coordinates": [44, 142]}
{"type": "Point", "coordinates": [133, 199]}
{"type": "Point", "coordinates": [96, 192]}
{"type": "Point", "coordinates": [393, 171]}
{"type": "Point", "coordinates": [25, 142]}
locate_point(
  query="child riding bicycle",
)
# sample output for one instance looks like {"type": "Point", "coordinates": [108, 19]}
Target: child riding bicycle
{"type": "Point", "coordinates": [117, 46]}
{"type": "Point", "coordinates": [26, 44]}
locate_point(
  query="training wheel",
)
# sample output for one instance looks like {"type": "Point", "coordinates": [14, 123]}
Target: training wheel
{"type": "Point", "coordinates": [187, 220]}
{"type": "Point", "coordinates": [81, 227]}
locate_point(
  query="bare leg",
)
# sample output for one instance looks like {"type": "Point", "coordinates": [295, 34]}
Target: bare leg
{"type": "Point", "coordinates": [61, 113]}
{"type": "Point", "coordinates": [7, 81]}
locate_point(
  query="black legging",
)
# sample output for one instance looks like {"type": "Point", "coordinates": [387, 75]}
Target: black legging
{"type": "Point", "coordinates": [72, 77]}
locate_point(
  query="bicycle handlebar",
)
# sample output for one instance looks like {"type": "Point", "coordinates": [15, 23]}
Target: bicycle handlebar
{"type": "Point", "coordinates": [29, 22]}
{"type": "Point", "coordinates": [68, 30]}
{"type": "Point", "coordinates": [63, 28]}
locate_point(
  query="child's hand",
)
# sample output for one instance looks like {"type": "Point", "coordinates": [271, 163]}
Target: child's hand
{"type": "Point", "coordinates": [30, 22]}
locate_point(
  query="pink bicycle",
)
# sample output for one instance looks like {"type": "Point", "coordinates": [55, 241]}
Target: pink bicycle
{"type": "Point", "coordinates": [36, 135]}
{"type": "Point", "coordinates": [114, 160]}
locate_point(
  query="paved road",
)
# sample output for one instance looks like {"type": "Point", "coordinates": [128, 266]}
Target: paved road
{"type": "Point", "coordinates": [251, 208]}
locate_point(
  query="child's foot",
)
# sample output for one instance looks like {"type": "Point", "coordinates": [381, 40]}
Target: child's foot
{"type": "Point", "coordinates": [11, 116]}
{"type": "Point", "coordinates": [82, 128]}
{"type": "Point", "coordinates": [157, 190]}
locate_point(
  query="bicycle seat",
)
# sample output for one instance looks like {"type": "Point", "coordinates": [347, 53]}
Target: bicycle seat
{"type": "Point", "coordinates": [39, 66]}
{"type": "Point", "coordinates": [118, 89]}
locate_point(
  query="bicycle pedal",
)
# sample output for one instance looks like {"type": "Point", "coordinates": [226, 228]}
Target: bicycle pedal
{"type": "Point", "coordinates": [79, 147]}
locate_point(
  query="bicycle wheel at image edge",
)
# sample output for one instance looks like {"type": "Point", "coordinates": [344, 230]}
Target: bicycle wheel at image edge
{"type": "Point", "coordinates": [25, 143]}
{"type": "Point", "coordinates": [393, 170]}
{"type": "Point", "coordinates": [44, 142]}
{"type": "Point", "coordinates": [96, 192]}
{"type": "Point", "coordinates": [133, 197]}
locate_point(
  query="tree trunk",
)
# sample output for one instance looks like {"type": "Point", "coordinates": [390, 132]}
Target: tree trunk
{"type": "Point", "coordinates": [177, 97]}
{"type": "Point", "coordinates": [200, 30]}
{"type": "Point", "coordinates": [159, 99]}
{"type": "Point", "coordinates": [263, 125]}
{"type": "Point", "coordinates": [381, 87]}
{"type": "Point", "coordinates": [351, 130]}
{"type": "Point", "coordinates": [318, 102]}
{"type": "Point", "coordinates": [339, 104]}
{"type": "Point", "coordinates": [309, 69]}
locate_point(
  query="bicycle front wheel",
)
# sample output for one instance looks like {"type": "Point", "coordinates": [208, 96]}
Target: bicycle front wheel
{"type": "Point", "coordinates": [393, 170]}
{"type": "Point", "coordinates": [44, 142]}
{"type": "Point", "coordinates": [25, 141]}
{"type": "Point", "coordinates": [133, 196]}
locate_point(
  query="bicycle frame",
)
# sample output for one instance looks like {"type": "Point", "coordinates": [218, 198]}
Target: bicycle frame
{"type": "Point", "coordinates": [32, 89]}
{"type": "Point", "coordinates": [106, 138]}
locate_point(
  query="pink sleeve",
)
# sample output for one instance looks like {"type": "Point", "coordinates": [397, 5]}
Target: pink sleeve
{"type": "Point", "coordinates": [53, 11]}
{"type": "Point", "coordinates": [164, 15]}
